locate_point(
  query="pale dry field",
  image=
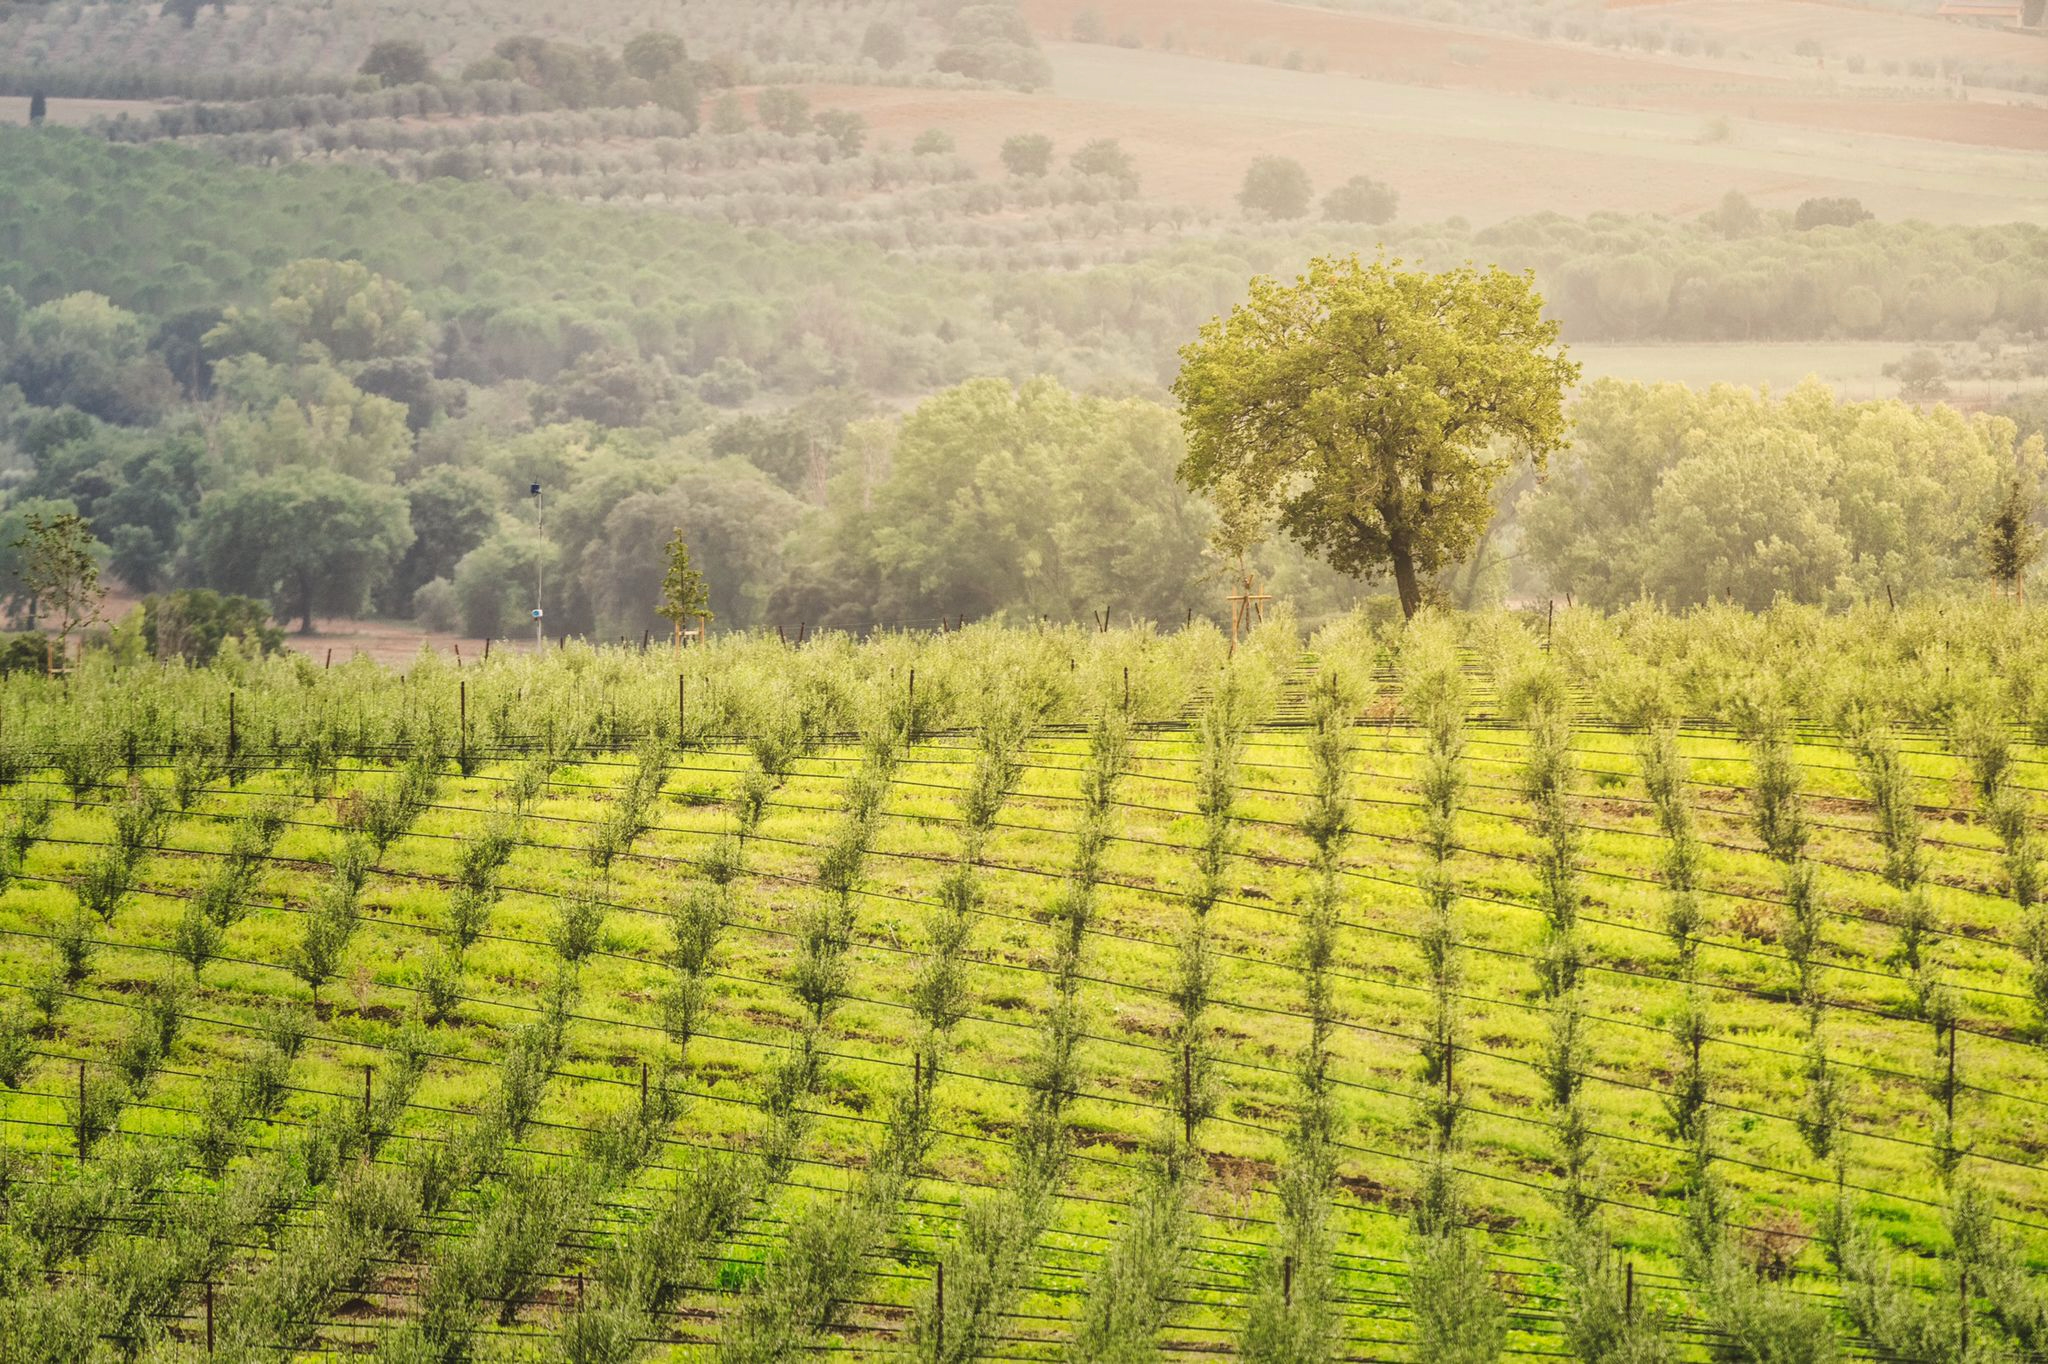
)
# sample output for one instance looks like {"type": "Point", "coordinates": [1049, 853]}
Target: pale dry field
{"type": "Point", "coordinates": [1194, 124]}
{"type": "Point", "coordinates": [74, 113]}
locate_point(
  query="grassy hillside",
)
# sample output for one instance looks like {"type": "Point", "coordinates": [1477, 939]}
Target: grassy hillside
{"type": "Point", "coordinates": [485, 1011]}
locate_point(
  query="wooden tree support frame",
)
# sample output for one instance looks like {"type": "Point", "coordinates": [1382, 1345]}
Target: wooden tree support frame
{"type": "Point", "coordinates": [1247, 608]}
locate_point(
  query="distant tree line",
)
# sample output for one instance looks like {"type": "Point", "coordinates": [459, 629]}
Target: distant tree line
{"type": "Point", "coordinates": [1689, 497]}
{"type": "Point", "coordinates": [311, 450]}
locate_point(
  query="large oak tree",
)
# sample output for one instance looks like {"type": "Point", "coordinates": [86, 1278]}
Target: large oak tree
{"type": "Point", "coordinates": [1373, 409]}
{"type": "Point", "coordinates": [308, 541]}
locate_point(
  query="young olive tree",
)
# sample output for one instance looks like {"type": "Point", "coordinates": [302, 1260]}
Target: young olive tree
{"type": "Point", "coordinates": [60, 573]}
{"type": "Point", "coordinates": [684, 595]}
{"type": "Point", "coordinates": [2012, 542]}
{"type": "Point", "coordinates": [1375, 408]}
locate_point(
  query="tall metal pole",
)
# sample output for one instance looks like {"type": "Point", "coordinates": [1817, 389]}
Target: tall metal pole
{"type": "Point", "coordinates": [539, 574]}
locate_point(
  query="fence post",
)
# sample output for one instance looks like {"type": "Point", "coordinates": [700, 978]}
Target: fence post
{"type": "Point", "coordinates": [209, 1316]}
{"type": "Point", "coordinates": [643, 1086]}
{"type": "Point", "coordinates": [366, 1101]}
{"type": "Point", "coordinates": [1949, 1090]}
{"type": "Point", "coordinates": [81, 1112]}
{"type": "Point", "coordinates": [462, 720]}
{"type": "Point", "coordinates": [1629, 1290]}
{"type": "Point", "coordinates": [1287, 1282]}
{"type": "Point", "coordinates": [682, 713]}
{"type": "Point", "coordinates": [939, 1338]}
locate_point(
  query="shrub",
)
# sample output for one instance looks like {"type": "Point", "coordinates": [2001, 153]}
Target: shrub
{"type": "Point", "coordinates": [1830, 213]}
{"type": "Point", "coordinates": [1027, 154]}
{"type": "Point", "coordinates": [397, 61]}
{"type": "Point", "coordinates": [436, 606]}
{"type": "Point", "coordinates": [1361, 200]}
{"type": "Point", "coordinates": [1275, 187]}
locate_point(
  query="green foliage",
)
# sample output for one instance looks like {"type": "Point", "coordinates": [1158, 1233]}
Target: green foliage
{"type": "Point", "coordinates": [1027, 154]}
{"type": "Point", "coordinates": [939, 537]}
{"type": "Point", "coordinates": [1309, 399]}
{"type": "Point", "coordinates": [1814, 213]}
{"type": "Point", "coordinates": [1126, 1299]}
{"type": "Point", "coordinates": [306, 542]}
{"type": "Point", "coordinates": [1276, 187]}
{"type": "Point", "coordinates": [1692, 497]}
{"type": "Point", "coordinates": [1361, 199]}
{"type": "Point", "coordinates": [57, 570]}
{"type": "Point", "coordinates": [683, 594]}
{"type": "Point", "coordinates": [2012, 537]}
{"type": "Point", "coordinates": [1603, 1326]}
{"type": "Point", "coordinates": [1459, 1319]}
{"type": "Point", "coordinates": [1774, 799]}
{"type": "Point", "coordinates": [397, 61]}
{"type": "Point", "coordinates": [194, 624]}
{"type": "Point", "coordinates": [83, 351]}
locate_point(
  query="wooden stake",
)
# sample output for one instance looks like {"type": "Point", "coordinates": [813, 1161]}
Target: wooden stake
{"type": "Point", "coordinates": [1127, 691]}
{"type": "Point", "coordinates": [487, 650]}
{"type": "Point", "coordinates": [209, 1316]}
{"type": "Point", "coordinates": [1187, 1092]}
{"type": "Point", "coordinates": [643, 1086]}
{"type": "Point", "coordinates": [911, 726]}
{"type": "Point", "coordinates": [231, 727]}
{"type": "Point", "coordinates": [330, 657]}
{"type": "Point", "coordinates": [939, 1342]}
{"type": "Point", "coordinates": [462, 715]}
{"type": "Point", "coordinates": [1963, 1306]}
{"type": "Point", "coordinates": [1629, 1290]}
{"type": "Point", "coordinates": [682, 695]}
{"type": "Point", "coordinates": [81, 1112]}
{"type": "Point", "coordinates": [366, 1101]}
{"type": "Point", "coordinates": [1287, 1281]}
{"type": "Point", "coordinates": [1950, 1094]}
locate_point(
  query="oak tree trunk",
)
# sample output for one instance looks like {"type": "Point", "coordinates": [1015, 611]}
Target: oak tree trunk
{"type": "Point", "coordinates": [1402, 555]}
